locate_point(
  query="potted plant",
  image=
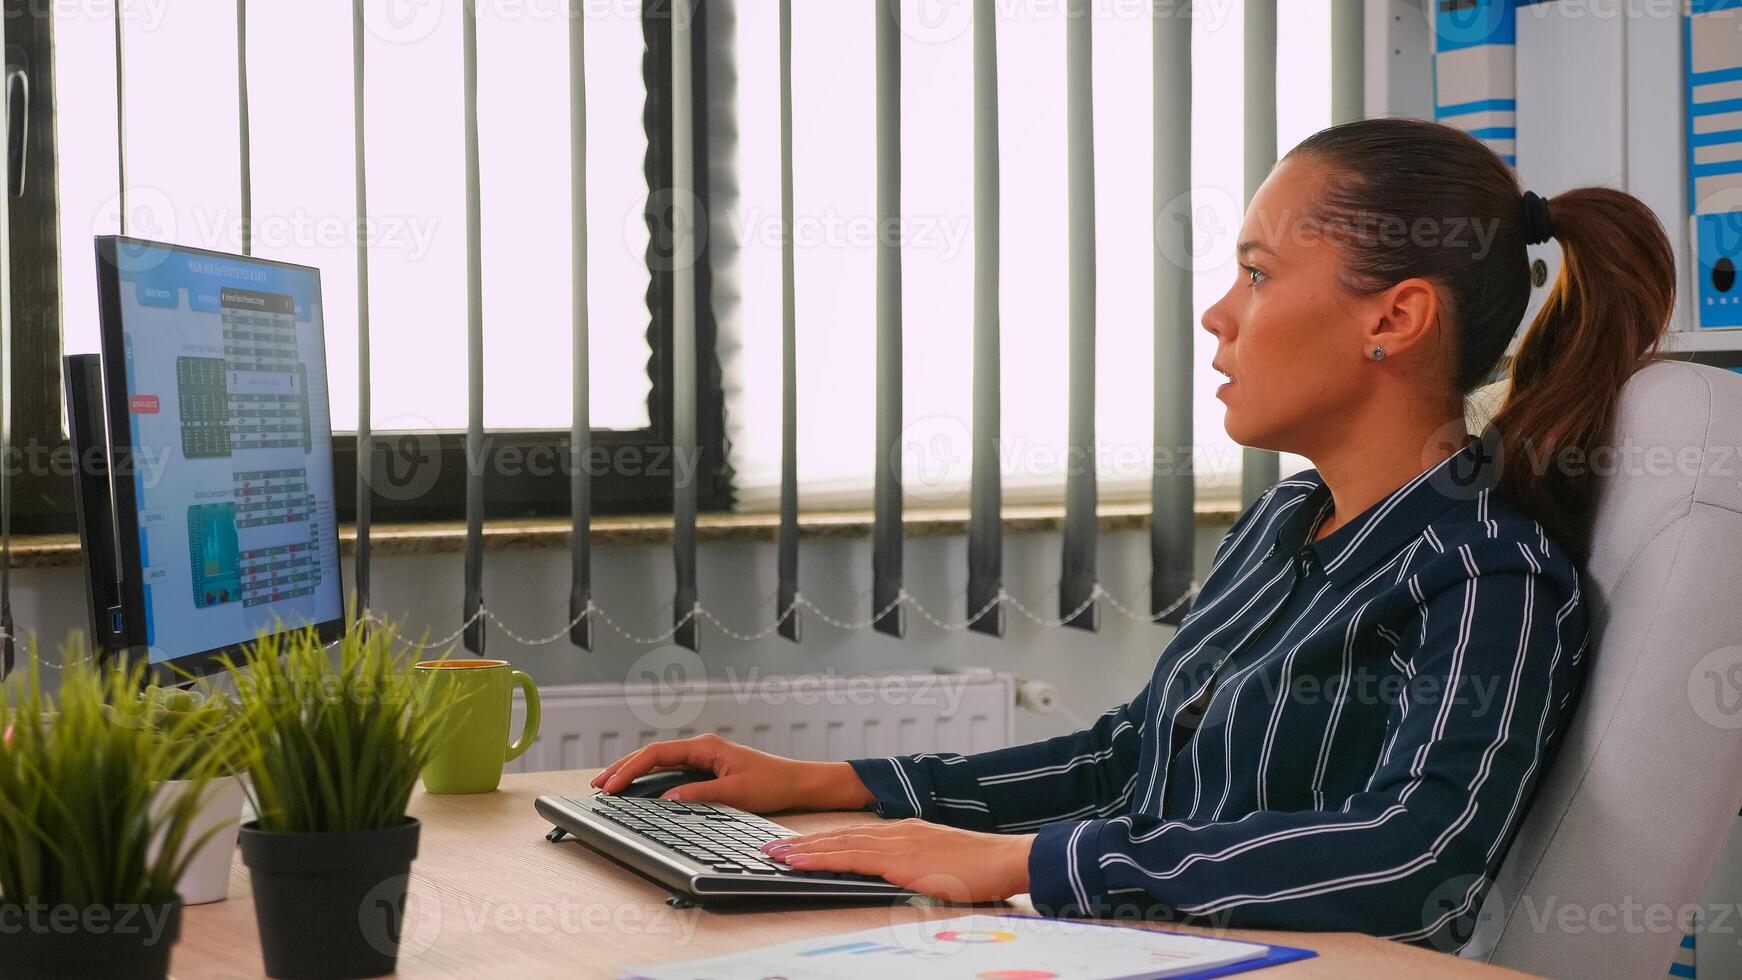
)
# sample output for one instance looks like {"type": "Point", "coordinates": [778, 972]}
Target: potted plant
{"type": "Point", "coordinates": [88, 863]}
{"type": "Point", "coordinates": [208, 724]}
{"type": "Point", "coordinates": [336, 744]}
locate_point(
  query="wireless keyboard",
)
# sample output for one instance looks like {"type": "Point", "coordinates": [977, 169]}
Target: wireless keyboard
{"type": "Point", "coordinates": [702, 852]}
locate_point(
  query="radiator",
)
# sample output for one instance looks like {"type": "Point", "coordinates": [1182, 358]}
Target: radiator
{"type": "Point", "coordinates": [825, 718]}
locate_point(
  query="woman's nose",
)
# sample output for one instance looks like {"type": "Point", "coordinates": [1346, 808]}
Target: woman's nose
{"type": "Point", "coordinates": [1216, 321]}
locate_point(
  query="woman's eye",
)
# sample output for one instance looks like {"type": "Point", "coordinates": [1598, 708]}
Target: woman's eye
{"type": "Point", "coordinates": [1253, 275]}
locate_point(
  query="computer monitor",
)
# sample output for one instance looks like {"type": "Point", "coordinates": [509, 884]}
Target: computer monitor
{"type": "Point", "coordinates": [210, 404]}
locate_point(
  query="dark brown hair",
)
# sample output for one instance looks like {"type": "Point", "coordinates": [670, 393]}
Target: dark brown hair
{"type": "Point", "coordinates": [1600, 322]}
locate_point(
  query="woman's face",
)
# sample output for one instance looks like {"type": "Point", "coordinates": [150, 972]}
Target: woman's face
{"type": "Point", "coordinates": [1292, 340]}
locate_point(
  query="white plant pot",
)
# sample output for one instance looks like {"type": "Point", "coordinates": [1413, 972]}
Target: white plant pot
{"type": "Point", "coordinates": [207, 878]}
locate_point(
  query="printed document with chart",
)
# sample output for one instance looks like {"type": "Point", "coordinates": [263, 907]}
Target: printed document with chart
{"type": "Point", "coordinates": [987, 947]}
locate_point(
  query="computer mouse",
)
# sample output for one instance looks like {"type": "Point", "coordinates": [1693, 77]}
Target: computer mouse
{"type": "Point", "coordinates": [655, 784]}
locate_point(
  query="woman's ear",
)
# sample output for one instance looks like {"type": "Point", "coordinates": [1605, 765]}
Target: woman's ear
{"type": "Point", "coordinates": [1404, 318]}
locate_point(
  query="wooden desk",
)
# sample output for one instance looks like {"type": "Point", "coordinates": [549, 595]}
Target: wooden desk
{"type": "Point", "coordinates": [490, 897]}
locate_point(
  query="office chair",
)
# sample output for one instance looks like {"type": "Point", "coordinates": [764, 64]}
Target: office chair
{"type": "Point", "coordinates": [1647, 783]}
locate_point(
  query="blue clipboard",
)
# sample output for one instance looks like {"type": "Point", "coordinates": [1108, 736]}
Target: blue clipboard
{"type": "Point", "coordinates": [1276, 956]}
{"type": "Point", "coordinates": [1273, 954]}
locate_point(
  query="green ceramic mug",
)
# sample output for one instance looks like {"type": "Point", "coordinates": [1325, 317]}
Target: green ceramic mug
{"type": "Point", "coordinates": [474, 744]}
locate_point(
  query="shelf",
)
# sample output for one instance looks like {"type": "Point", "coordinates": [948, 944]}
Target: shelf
{"type": "Point", "coordinates": [1696, 341]}
{"type": "Point", "coordinates": [439, 537]}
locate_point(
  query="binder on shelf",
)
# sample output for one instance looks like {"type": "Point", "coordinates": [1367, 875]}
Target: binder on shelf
{"type": "Point", "coordinates": [1475, 84]}
{"type": "Point", "coordinates": [1712, 71]}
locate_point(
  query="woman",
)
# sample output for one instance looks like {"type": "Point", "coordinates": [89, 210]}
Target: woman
{"type": "Point", "coordinates": [1346, 731]}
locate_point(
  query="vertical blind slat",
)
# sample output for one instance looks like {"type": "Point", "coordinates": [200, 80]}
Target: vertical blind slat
{"type": "Point", "coordinates": [8, 649]}
{"type": "Point", "coordinates": [1348, 62]}
{"type": "Point", "coordinates": [886, 545]}
{"type": "Point", "coordinates": [120, 121]}
{"type": "Point", "coordinates": [788, 546]}
{"type": "Point", "coordinates": [474, 585]}
{"type": "Point", "coordinates": [580, 420]}
{"type": "Point", "coordinates": [1172, 526]}
{"type": "Point", "coordinates": [686, 215]}
{"type": "Point", "coordinates": [985, 519]}
{"type": "Point", "coordinates": [1077, 583]}
{"type": "Point", "coordinates": [1259, 467]}
{"type": "Point", "coordinates": [365, 434]}
{"type": "Point", "coordinates": [242, 139]}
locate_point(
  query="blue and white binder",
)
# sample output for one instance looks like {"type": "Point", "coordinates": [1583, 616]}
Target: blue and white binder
{"type": "Point", "coordinates": [1712, 59]}
{"type": "Point", "coordinates": [1683, 966]}
{"type": "Point", "coordinates": [1475, 84]}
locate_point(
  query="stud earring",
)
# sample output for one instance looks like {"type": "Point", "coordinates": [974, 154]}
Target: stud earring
{"type": "Point", "coordinates": [1379, 353]}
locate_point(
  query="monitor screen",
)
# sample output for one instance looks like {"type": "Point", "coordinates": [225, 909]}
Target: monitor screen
{"type": "Point", "coordinates": [224, 365]}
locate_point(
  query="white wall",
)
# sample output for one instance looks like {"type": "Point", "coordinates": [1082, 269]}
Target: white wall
{"type": "Point", "coordinates": [529, 590]}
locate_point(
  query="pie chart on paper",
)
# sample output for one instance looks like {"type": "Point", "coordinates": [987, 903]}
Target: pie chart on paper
{"type": "Point", "coordinates": [978, 936]}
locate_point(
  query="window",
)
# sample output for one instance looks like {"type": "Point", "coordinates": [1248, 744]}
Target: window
{"type": "Point", "coordinates": [184, 180]}
{"type": "Point", "coordinates": [834, 180]}
{"type": "Point", "coordinates": [183, 172]}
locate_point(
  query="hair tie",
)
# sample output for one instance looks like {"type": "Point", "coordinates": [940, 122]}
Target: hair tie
{"type": "Point", "coordinates": [1536, 225]}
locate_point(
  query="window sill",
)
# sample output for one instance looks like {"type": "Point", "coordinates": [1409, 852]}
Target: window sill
{"type": "Point", "coordinates": [437, 537]}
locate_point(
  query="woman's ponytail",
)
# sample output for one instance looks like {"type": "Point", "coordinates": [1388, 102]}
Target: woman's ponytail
{"type": "Point", "coordinates": [1601, 321]}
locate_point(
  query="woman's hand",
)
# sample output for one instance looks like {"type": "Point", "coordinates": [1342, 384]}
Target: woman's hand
{"type": "Point", "coordinates": [945, 862]}
{"type": "Point", "coordinates": [743, 777]}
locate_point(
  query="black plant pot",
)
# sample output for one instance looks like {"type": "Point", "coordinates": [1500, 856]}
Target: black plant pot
{"type": "Point", "coordinates": [329, 906]}
{"type": "Point", "coordinates": [123, 942]}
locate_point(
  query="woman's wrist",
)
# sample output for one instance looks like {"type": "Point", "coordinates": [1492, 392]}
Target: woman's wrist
{"type": "Point", "coordinates": [831, 786]}
{"type": "Point", "coordinates": [1020, 847]}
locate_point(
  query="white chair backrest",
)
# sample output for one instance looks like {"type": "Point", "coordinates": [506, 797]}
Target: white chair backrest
{"type": "Point", "coordinates": [1646, 786]}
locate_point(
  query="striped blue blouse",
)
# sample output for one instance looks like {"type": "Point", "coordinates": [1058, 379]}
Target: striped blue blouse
{"type": "Point", "coordinates": [1343, 734]}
